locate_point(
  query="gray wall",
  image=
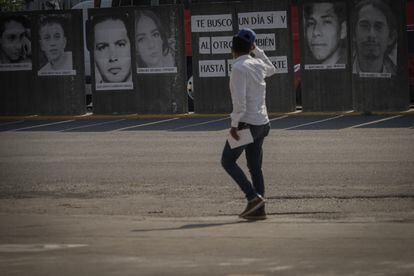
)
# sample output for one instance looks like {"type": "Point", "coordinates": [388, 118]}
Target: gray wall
{"type": "Point", "coordinates": [26, 92]}
{"type": "Point", "coordinates": [152, 91]}
{"type": "Point", "coordinates": [51, 92]}
{"type": "Point", "coordinates": [61, 92]}
{"type": "Point", "coordinates": [326, 80]}
{"type": "Point", "coordinates": [111, 100]}
{"type": "Point", "coordinates": [165, 93]}
{"type": "Point", "coordinates": [16, 97]}
{"type": "Point", "coordinates": [387, 91]}
{"type": "Point", "coordinates": [212, 94]}
{"type": "Point", "coordinates": [384, 88]}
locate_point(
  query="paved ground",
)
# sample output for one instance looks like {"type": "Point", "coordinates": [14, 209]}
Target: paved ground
{"type": "Point", "coordinates": [148, 197]}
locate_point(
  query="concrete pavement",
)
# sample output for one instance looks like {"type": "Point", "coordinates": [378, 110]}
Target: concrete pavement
{"type": "Point", "coordinates": [127, 245]}
{"type": "Point", "coordinates": [148, 197]}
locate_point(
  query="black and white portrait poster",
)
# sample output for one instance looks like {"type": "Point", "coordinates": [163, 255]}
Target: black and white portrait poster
{"type": "Point", "coordinates": [375, 39]}
{"type": "Point", "coordinates": [55, 53]}
{"type": "Point", "coordinates": [15, 43]}
{"type": "Point", "coordinates": [155, 41]}
{"type": "Point", "coordinates": [325, 35]}
{"type": "Point", "coordinates": [112, 52]}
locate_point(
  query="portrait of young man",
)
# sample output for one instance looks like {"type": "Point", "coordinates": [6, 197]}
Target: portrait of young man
{"type": "Point", "coordinates": [112, 52]}
{"type": "Point", "coordinates": [15, 43]}
{"type": "Point", "coordinates": [375, 39]}
{"type": "Point", "coordinates": [53, 43]}
{"type": "Point", "coordinates": [325, 30]}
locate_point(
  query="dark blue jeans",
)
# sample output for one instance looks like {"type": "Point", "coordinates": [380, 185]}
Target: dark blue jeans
{"type": "Point", "coordinates": [254, 157]}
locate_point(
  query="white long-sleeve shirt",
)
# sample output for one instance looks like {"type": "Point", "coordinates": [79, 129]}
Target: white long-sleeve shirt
{"type": "Point", "coordinates": [248, 88]}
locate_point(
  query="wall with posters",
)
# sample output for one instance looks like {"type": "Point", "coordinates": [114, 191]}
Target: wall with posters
{"type": "Point", "coordinates": [138, 60]}
{"type": "Point", "coordinates": [379, 55]}
{"type": "Point", "coordinates": [41, 63]}
{"type": "Point", "coordinates": [59, 63]}
{"type": "Point", "coordinates": [354, 55]}
{"type": "Point", "coordinates": [358, 60]}
{"type": "Point", "coordinates": [160, 59]}
{"type": "Point", "coordinates": [212, 29]}
{"type": "Point", "coordinates": [210, 71]}
{"type": "Point", "coordinates": [325, 67]}
{"type": "Point", "coordinates": [111, 43]}
{"type": "Point", "coordinates": [16, 62]}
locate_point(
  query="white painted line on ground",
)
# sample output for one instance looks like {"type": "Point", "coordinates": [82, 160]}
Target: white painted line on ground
{"type": "Point", "coordinates": [278, 118]}
{"type": "Point", "coordinates": [374, 122]}
{"type": "Point", "coordinates": [315, 122]}
{"type": "Point", "coordinates": [22, 248]}
{"type": "Point", "coordinates": [200, 124]}
{"type": "Point", "coordinates": [146, 124]}
{"type": "Point", "coordinates": [95, 124]}
{"type": "Point", "coordinates": [10, 123]}
{"type": "Point", "coordinates": [42, 125]}
{"type": "Point", "coordinates": [85, 115]}
{"type": "Point", "coordinates": [274, 119]}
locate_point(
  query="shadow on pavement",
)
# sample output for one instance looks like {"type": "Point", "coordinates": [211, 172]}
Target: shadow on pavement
{"type": "Point", "coordinates": [192, 226]}
{"type": "Point", "coordinates": [207, 225]}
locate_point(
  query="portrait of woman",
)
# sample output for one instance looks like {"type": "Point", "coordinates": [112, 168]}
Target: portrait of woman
{"type": "Point", "coordinates": [53, 43]}
{"type": "Point", "coordinates": [112, 51]}
{"type": "Point", "coordinates": [154, 48]}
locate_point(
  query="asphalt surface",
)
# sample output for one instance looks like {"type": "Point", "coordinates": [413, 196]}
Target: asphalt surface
{"type": "Point", "coordinates": [148, 197]}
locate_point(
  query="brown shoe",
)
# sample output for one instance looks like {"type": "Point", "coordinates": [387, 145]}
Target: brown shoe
{"type": "Point", "coordinates": [252, 206]}
{"type": "Point", "coordinates": [259, 214]}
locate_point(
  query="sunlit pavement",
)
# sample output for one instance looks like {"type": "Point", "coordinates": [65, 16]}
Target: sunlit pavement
{"type": "Point", "coordinates": [148, 197]}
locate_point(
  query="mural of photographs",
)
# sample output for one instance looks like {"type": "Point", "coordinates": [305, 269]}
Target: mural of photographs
{"type": "Point", "coordinates": [15, 43]}
{"type": "Point", "coordinates": [375, 38]}
{"type": "Point", "coordinates": [55, 53]}
{"type": "Point", "coordinates": [155, 44]}
{"type": "Point", "coordinates": [325, 35]}
{"type": "Point", "coordinates": [112, 52]}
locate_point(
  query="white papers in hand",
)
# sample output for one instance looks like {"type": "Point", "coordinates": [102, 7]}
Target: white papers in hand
{"type": "Point", "coordinates": [245, 138]}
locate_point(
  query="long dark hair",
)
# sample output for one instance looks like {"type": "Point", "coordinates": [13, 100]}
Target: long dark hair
{"type": "Point", "coordinates": [385, 9]}
{"type": "Point", "coordinates": [166, 48]}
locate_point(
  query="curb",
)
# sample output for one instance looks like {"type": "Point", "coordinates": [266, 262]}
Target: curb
{"type": "Point", "coordinates": [93, 117]}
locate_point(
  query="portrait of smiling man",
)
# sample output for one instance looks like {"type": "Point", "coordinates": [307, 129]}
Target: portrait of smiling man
{"type": "Point", "coordinates": [325, 30]}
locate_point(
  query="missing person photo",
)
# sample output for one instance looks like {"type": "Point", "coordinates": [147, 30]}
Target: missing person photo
{"type": "Point", "coordinates": [112, 52]}
{"type": "Point", "coordinates": [325, 31]}
{"type": "Point", "coordinates": [15, 43]}
{"type": "Point", "coordinates": [154, 45]}
{"type": "Point", "coordinates": [375, 39]}
{"type": "Point", "coordinates": [55, 57]}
